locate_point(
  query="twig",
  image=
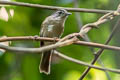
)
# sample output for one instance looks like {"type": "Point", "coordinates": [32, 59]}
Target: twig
{"type": "Point", "coordinates": [83, 63]}
{"type": "Point", "coordinates": [37, 50]}
{"type": "Point", "coordinates": [101, 50]}
{"type": "Point", "coordinates": [91, 44]}
{"type": "Point", "coordinates": [17, 38]}
{"type": "Point", "coordinates": [54, 7]}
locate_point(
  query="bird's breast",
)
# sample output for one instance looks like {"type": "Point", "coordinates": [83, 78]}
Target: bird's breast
{"type": "Point", "coordinates": [52, 27]}
{"type": "Point", "coordinates": [55, 29]}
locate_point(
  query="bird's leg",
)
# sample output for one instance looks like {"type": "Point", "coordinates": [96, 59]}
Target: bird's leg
{"type": "Point", "coordinates": [35, 37]}
{"type": "Point", "coordinates": [54, 39]}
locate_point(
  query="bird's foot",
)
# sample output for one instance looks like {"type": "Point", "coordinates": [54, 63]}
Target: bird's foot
{"type": "Point", "coordinates": [55, 38]}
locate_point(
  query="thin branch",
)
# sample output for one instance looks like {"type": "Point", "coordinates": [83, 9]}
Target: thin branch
{"type": "Point", "coordinates": [54, 7]}
{"type": "Point", "coordinates": [91, 44]}
{"type": "Point", "coordinates": [101, 50]}
{"type": "Point", "coordinates": [83, 63]}
{"type": "Point", "coordinates": [37, 50]}
{"type": "Point", "coordinates": [22, 38]}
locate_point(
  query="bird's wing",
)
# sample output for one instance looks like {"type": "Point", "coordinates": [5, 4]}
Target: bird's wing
{"type": "Point", "coordinates": [43, 29]}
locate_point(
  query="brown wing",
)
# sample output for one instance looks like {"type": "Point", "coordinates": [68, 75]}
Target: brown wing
{"type": "Point", "coordinates": [42, 30]}
{"type": "Point", "coordinates": [46, 55]}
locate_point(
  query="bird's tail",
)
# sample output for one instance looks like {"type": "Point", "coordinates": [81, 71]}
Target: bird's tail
{"type": "Point", "coordinates": [45, 62]}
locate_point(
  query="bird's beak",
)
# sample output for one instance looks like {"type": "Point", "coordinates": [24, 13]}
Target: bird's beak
{"type": "Point", "coordinates": [68, 13]}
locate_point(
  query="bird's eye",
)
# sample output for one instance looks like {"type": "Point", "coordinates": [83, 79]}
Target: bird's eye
{"type": "Point", "coordinates": [60, 12]}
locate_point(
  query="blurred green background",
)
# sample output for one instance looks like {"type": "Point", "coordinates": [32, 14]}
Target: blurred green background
{"type": "Point", "coordinates": [26, 22]}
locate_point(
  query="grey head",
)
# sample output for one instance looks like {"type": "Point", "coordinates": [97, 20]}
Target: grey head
{"type": "Point", "coordinates": [61, 13]}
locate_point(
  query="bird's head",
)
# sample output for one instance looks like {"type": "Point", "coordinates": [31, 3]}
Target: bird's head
{"type": "Point", "coordinates": [61, 13]}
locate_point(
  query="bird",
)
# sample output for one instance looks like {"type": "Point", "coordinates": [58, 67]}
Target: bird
{"type": "Point", "coordinates": [51, 27]}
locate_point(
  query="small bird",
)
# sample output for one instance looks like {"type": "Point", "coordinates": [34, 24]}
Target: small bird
{"type": "Point", "coordinates": [52, 27]}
